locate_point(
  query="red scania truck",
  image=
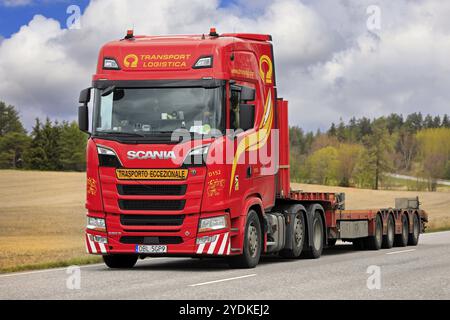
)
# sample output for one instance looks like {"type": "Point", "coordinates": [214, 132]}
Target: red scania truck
{"type": "Point", "coordinates": [188, 155]}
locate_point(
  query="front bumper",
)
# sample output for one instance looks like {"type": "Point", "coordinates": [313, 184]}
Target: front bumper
{"type": "Point", "coordinates": [219, 245]}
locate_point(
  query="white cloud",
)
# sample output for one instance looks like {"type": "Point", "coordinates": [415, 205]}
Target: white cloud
{"type": "Point", "coordinates": [328, 64]}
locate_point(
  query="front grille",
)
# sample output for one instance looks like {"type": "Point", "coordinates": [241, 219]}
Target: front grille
{"type": "Point", "coordinates": [151, 220]}
{"type": "Point", "coordinates": [151, 190]}
{"type": "Point", "coordinates": [158, 205]}
{"type": "Point", "coordinates": [150, 240]}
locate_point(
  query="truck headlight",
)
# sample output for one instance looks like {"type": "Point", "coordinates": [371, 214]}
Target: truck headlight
{"type": "Point", "coordinates": [214, 223]}
{"type": "Point", "coordinates": [107, 157]}
{"type": "Point", "coordinates": [97, 224]}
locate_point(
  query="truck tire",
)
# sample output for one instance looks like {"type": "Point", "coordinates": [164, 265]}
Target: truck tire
{"type": "Point", "coordinates": [401, 240]}
{"type": "Point", "coordinates": [388, 239]}
{"type": "Point", "coordinates": [316, 248]}
{"type": "Point", "coordinates": [413, 238]}
{"type": "Point", "coordinates": [252, 244]}
{"type": "Point", "coordinates": [120, 261]}
{"type": "Point", "coordinates": [374, 242]}
{"type": "Point", "coordinates": [298, 238]}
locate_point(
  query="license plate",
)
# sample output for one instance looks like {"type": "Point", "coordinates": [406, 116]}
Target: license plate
{"type": "Point", "coordinates": [151, 174]}
{"type": "Point", "coordinates": [151, 249]}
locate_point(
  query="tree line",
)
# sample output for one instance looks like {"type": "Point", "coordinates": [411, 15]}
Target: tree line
{"type": "Point", "coordinates": [363, 151]}
{"type": "Point", "coordinates": [49, 146]}
{"type": "Point", "coordinates": [359, 153]}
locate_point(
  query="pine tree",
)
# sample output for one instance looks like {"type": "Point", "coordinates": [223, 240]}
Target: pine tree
{"type": "Point", "coordinates": [379, 147]}
{"type": "Point", "coordinates": [73, 147]}
{"type": "Point", "coordinates": [35, 157]}
{"type": "Point", "coordinates": [9, 120]}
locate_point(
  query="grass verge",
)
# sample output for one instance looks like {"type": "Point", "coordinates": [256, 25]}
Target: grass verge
{"type": "Point", "coordinates": [53, 264]}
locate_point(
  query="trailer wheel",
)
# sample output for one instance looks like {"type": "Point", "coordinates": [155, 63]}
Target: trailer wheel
{"type": "Point", "coordinates": [252, 244]}
{"type": "Point", "coordinates": [374, 242]}
{"type": "Point", "coordinates": [315, 251]}
{"type": "Point", "coordinates": [298, 238]}
{"type": "Point", "coordinates": [120, 261]}
{"type": "Point", "coordinates": [413, 238]}
{"type": "Point", "coordinates": [401, 240]}
{"type": "Point", "coordinates": [388, 239]}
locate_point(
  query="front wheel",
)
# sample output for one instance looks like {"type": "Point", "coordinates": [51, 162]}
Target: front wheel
{"type": "Point", "coordinates": [252, 244]}
{"type": "Point", "coordinates": [120, 261]}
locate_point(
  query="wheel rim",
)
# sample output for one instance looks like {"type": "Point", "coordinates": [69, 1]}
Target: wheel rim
{"type": "Point", "coordinates": [252, 239]}
{"type": "Point", "coordinates": [298, 232]}
{"type": "Point", "coordinates": [317, 234]}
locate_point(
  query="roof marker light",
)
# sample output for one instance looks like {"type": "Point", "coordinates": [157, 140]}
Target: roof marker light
{"type": "Point", "coordinates": [130, 34]}
{"type": "Point", "coordinates": [213, 32]}
{"type": "Point", "coordinates": [203, 62]}
{"type": "Point", "coordinates": [110, 64]}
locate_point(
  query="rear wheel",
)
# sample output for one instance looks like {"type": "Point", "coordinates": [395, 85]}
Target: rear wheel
{"type": "Point", "coordinates": [315, 251]}
{"type": "Point", "coordinates": [252, 244]}
{"type": "Point", "coordinates": [374, 242]}
{"type": "Point", "coordinates": [401, 240]}
{"type": "Point", "coordinates": [388, 239]}
{"type": "Point", "coordinates": [298, 238]}
{"type": "Point", "coordinates": [120, 261]}
{"type": "Point", "coordinates": [413, 239]}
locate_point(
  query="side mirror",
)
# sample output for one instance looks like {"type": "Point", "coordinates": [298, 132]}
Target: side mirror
{"type": "Point", "coordinates": [83, 118]}
{"type": "Point", "coordinates": [83, 111]}
{"type": "Point", "coordinates": [85, 96]}
{"type": "Point", "coordinates": [246, 116]}
{"type": "Point", "coordinates": [247, 94]}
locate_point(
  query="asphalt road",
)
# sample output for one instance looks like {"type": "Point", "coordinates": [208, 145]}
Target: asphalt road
{"type": "Point", "coordinates": [421, 272]}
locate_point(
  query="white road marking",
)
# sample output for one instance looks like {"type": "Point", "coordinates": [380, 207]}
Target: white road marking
{"type": "Point", "coordinates": [64, 268]}
{"type": "Point", "coordinates": [46, 270]}
{"type": "Point", "coordinates": [403, 251]}
{"type": "Point", "coordinates": [222, 280]}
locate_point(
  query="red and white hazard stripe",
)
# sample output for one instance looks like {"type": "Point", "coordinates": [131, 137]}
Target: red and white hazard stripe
{"type": "Point", "coordinates": [94, 247]}
{"type": "Point", "coordinates": [221, 246]}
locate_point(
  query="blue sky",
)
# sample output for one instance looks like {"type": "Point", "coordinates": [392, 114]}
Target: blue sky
{"type": "Point", "coordinates": [12, 17]}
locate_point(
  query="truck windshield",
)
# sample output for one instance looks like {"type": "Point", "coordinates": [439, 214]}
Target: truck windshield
{"type": "Point", "coordinates": [143, 111]}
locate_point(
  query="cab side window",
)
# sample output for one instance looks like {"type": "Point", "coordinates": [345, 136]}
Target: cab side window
{"type": "Point", "coordinates": [235, 100]}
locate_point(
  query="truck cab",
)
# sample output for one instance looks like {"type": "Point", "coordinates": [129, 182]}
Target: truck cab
{"type": "Point", "coordinates": [179, 148]}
